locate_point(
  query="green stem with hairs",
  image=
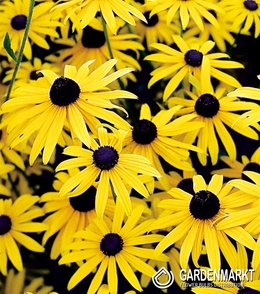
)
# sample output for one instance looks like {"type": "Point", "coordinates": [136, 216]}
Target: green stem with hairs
{"type": "Point", "coordinates": [236, 37]}
{"type": "Point", "coordinates": [21, 50]}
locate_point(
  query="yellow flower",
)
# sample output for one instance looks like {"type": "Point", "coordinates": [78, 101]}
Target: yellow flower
{"type": "Point", "coordinates": [189, 60]}
{"type": "Point", "coordinates": [110, 244]}
{"type": "Point", "coordinates": [195, 9]}
{"type": "Point", "coordinates": [84, 11]}
{"type": "Point", "coordinates": [15, 220]}
{"type": "Point", "coordinates": [194, 218]}
{"type": "Point", "coordinates": [72, 100]}
{"type": "Point", "coordinates": [216, 110]}
{"type": "Point", "coordinates": [13, 21]}
{"type": "Point", "coordinates": [105, 160]}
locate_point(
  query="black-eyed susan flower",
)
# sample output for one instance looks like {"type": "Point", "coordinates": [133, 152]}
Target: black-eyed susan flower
{"type": "Point", "coordinates": [13, 21]}
{"type": "Point", "coordinates": [111, 245]}
{"type": "Point", "coordinates": [243, 14]}
{"type": "Point", "coordinates": [220, 36]}
{"type": "Point", "coordinates": [189, 60]}
{"type": "Point", "coordinates": [236, 168]}
{"type": "Point", "coordinates": [16, 219]}
{"type": "Point", "coordinates": [153, 137]}
{"type": "Point", "coordinates": [106, 161]}
{"type": "Point", "coordinates": [84, 11]}
{"type": "Point", "coordinates": [73, 100]}
{"type": "Point", "coordinates": [91, 42]}
{"type": "Point", "coordinates": [156, 29]}
{"type": "Point", "coordinates": [194, 218]}
{"type": "Point", "coordinates": [68, 215]}
{"type": "Point", "coordinates": [195, 9]}
{"type": "Point", "coordinates": [217, 111]}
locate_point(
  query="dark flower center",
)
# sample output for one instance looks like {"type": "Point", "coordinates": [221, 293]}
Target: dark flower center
{"type": "Point", "coordinates": [151, 21]}
{"type": "Point", "coordinates": [64, 91]}
{"type": "Point", "coordinates": [251, 166]}
{"type": "Point", "coordinates": [144, 132]}
{"type": "Point", "coordinates": [92, 38]}
{"type": "Point", "coordinates": [193, 58]}
{"type": "Point", "coordinates": [186, 185]}
{"type": "Point", "coordinates": [250, 5]}
{"type": "Point", "coordinates": [247, 291]}
{"type": "Point", "coordinates": [19, 22]}
{"type": "Point", "coordinates": [105, 157]}
{"type": "Point", "coordinates": [84, 202]}
{"type": "Point", "coordinates": [207, 105]}
{"type": "Point", "coordinates": [111, 244]}
{"type": "Point", "coordinates": [204, 205]}
{"type": "Point", "coordinates": [5, 224]}
{"type": "Point", "coordinates": [35, 75]}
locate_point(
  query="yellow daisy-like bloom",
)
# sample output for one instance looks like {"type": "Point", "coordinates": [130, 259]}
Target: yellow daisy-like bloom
{"type": "Point", "coordinates": [216, 111]}
{"type": "Point", "coordinates": [219, 36]}
{"type": "Point", "coordinates": [194, 218]}
{"type": "Point", "coordinates": [253, 116]}
{"type": "Point", "coordinates": [237, 168]}
{"type": "Point", "coordinates": [249, 284]}
{"type": "Point", "coordinates": [29, 71]}
{"type": "Point", "coordinates": [106, 161]}
{"type": "Point", "coordinates": [13, 20]}
{"type": "Point", "coordinates": [91, 42]}
{"type": "Point", "coordinates": [190, 60]}
{"type": "Point", "coordinates": [151, 137]}
{"type": "Point", "coordinates": [243, 14]}
{"type": "Point", "coordinates": [156, 29]}
{"type": "Point", "coordinates": [15, 220]}
{"type": "Point", "coordinates": [74, 99]}
{"type": "Point", "coordinates": [86, 10]}
{"type": "Point", "coordinates": [68, 215]}
{"type": "Point", "coordinates": [195, 9]}
{"type": "Point", "coordinates": [110, 244]}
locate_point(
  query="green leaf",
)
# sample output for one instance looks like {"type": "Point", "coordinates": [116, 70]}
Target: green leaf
{"type": "Point", "coordinates": [7, 46]}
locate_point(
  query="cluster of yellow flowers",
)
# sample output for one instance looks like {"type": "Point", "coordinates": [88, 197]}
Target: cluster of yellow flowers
{"type": "Point", "coordinates": [118, 121]}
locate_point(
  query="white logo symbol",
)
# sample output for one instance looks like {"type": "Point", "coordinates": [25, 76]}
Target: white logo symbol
{"type": "Point", "coordinates": [156, 276]}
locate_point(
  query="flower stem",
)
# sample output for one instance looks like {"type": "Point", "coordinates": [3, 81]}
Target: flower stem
{"type": "Point", "coordinates": [21, 50]}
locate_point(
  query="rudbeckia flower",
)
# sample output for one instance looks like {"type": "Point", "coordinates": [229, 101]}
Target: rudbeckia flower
{"type": "Point", "coordinates": [84, 11]}
{"type": "Point", "coordinates": [156, 29]}
{"type": "Point", "coordinates": [236, 168]}
{"type": "Point", "coordinates": [15, 221]}
{"type": "Point", "coordinates": [13, 20]}
{"type": "Point", "coordinates": [189, 60]}
{"type": "Point", "coordinates": [243, 14]}
{"type": "Point", "coordinates": [195, 9]}
{"type": "Point", "coordinates": [72, 100]}
{"type": "Point", "coordinates": [194, 218]}
{"type": "Point", "coordinates": [111, 245]}
{"type": "Point", "coordinates": [216, 110]}
{"type": "Point", "coordinates": [67, 215]}
{"type": "Point", "coordinates": [91, 42]}
{"type": "Point", "coordinates": [105, 160]}
{"type": "Point", "coordinates": [153, 137]}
